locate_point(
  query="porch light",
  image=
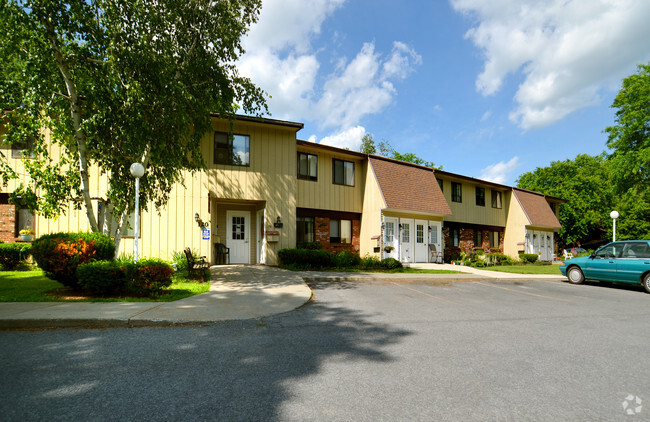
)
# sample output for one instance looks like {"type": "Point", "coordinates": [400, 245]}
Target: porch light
{"type": "Point", "coordinates": [137, 171]}
{"type": "Point", "coordinates": [614, 214]}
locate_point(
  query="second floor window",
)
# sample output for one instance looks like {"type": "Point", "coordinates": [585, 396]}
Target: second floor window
{"type": "Point", "coordinates": [480, 197]}
{"type": "Point", "coordinates": [307, 166]}
{"type": "Point", "coordinates": [25, 147]}
{"type": "Point", "coordinates": [456, 192]}
{"type": "Point", "coordinates": [496, 199]}
{"type": "Point", "coordinates": [342, 172]}
{"type": "Point", "coordinates": [440, 184]}
{"type": "Point", "coordinates": [231, 149]}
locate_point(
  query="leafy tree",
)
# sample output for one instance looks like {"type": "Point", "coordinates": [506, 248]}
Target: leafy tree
{"type": "Point", "coordinates": [385, 149]}
{"type": "Point", "coordinates": [584, 183]}
{"type": "Point", "coordinates": [112, 82]}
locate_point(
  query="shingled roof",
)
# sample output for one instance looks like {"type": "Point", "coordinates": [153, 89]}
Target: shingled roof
{"type": "Point", "coordinates": [409, 187]}
{"type": "Point", "coordinates": [537, 209]}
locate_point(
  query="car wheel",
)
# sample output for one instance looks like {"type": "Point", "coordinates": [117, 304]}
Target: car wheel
{"type": "Point", "coordinates": [646, 282]}
{"type": "Point", "coordinates": [575, 275]}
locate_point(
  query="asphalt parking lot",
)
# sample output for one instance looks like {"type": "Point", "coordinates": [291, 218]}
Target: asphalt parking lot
{"type": "Point", "coordinates": [363, 351]}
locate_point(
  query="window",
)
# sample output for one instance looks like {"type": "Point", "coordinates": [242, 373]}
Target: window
{"type": "Point", "coordinates": [419, 234]}
{"type": "Point", "coordinates": [496, 199]}
{"type": "Point", "coordinates": [340, 231]}
{"type": "Point", "coordinates": [480, 197]}
{"type": "Point", "coordinates": [342, 172]}
{"type": "Point", "coordinates": [433, 235]}
{"type": "Point", "coordinates": [478, 239]}
{"type": "Point", "coordinates": [456, 192]}
{"type": "Point", "coordinates": [307, 166]}
{"type": "Point", "coordinates": [27, 145]}
{"type": "Point", "coordinates": [305, 229]}
{"type": "Point", "coordinates": [238, 228]}
{"type": "Point", "coordinates": [553, 207]}
{"type": "Point", "coordinates": [494, 240]}
{"type": "Point", "coordinates": [389, 232]}
{"type": "Point", "coordinates": [636, 250]}
{"type": "Point", "coordinates": [454, 237]}
{"type": "Point", "coordinates": [406, 233]}
{"type": "Point", "coordinates": [608, 252]}
{"type": "Point", "coordinates": [440, 184]}
{"type": "Point", "coordinates": [231, 149]}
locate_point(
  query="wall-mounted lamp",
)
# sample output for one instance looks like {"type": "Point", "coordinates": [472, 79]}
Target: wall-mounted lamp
{"type": "Point", "coordinates": [200, 222]}
{"type": "Point", "coordinates": [400, 226]}
{"type": "Point", "coordinates": [429, 228]}
{"type": "Point", "coordinates": [278, 223]}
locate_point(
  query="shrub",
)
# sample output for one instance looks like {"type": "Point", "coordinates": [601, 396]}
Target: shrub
{"type": "Point", "coordinates": [369, 262]}
{"type": "Point", "coordinates": [345, 259]}
{"type": "Point", "coordinates": [528, 258]}
{"type": "Point", "coordinates": [60, 254]}
{"type": "Point", "coordinates": [391, 263]}
{"type": "Point", "coordinates": [105, 278]}
{"type": "Point", "coordinates": [108, 278]}
{"type": "Point", "coordinates": [180, 259]}
{"type": "Point", "coordinates": [309, 245]}
{"type": "Point", "coordinates": [500, 259]}
{"type": "Point", "coordinates": [304, 258]}
{"type": "Point", "coordinates": [12, 254]}
{"type": "Point", "coordinates": [151, 276]}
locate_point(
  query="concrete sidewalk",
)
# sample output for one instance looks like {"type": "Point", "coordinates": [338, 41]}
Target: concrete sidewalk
{"type": "Point", "coordinates": [237, 292]}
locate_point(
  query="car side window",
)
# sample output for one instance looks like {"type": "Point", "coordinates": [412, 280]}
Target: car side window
{"type": "Point", "coordinates": [636, 250]}
{"type": "Point", "coordinates": [607, 252]}
{"type": "Point", "coordinates": [628, 251]}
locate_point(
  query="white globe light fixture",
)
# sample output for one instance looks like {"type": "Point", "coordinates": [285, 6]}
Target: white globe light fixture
{"type": "Point", "coordinates": [614, 215]}
{"type": "Point", "coordinates": [137, 171]}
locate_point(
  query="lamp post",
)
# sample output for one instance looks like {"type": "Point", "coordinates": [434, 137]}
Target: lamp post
{"type": "Point", "coordinates": [137, 171]}
{"type": "Point", "coordinates": [614, 215]}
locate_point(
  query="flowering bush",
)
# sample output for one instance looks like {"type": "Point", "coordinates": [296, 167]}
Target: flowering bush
{"type": "Point", "coordinates": [60, 254]}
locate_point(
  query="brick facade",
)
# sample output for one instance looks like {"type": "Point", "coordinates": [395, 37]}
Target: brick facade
{"type": "Point", "coordinates": [7, 223]}
{"type": "Point", "coordinates": [322, 235]}
{"type": "Point", "coordinates": [466, 240]}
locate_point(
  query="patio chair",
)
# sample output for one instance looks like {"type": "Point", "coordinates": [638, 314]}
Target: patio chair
{"type": "Point", "coordinates": [196, 266]}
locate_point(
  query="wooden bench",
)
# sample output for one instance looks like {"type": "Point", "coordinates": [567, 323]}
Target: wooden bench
{"type": "Point", "coordinates": [196, 266]}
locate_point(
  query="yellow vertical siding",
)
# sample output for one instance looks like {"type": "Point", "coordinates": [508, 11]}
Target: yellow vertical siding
{"type": "Point", "coordinates": [373, 203]}
{"type": "Point", "coordinates": [467, 211]}
{"type": "Point", "coordinates": [515, 231]}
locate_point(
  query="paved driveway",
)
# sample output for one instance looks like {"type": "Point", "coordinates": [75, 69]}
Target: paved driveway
{"type": "Point", "coordinates": [362, 351]}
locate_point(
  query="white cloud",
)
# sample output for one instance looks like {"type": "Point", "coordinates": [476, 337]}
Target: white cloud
{"type": "Point", "coordinates": [280, 60]}
{"type": "Point", "coordinates": [499, 172]}
{"type": "Point", "coordinates": [349, 139]}
{"type": "Point", "coordinates": [566, 50]}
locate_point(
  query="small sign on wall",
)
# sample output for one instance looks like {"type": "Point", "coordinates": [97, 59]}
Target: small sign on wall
{"type": "Point", "coordinates": [206, 233]}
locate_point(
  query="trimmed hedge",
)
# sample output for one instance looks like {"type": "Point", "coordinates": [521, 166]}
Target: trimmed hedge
{"type": "Point", "coordinates": [345, 259]}
{"type": "Point", "coordinates": [305, 258]}
{"type": "Point", "coordinates": [528, 258]}
{"type": "Point", "coordinates": [109, 278]}
{"type": "Point", "coordinates": [309, 245]}
{"type": "Point", "coordinates": [391, 263]}
{"type": "Point", "coordinates": [12, 254]}
{"type": "Point", "coordinates": [60, 254]}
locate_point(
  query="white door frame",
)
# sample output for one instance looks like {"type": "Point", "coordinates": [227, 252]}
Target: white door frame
{"type": "Point", "coordinates": [261, 236]}
{"type": "Point", "coordinates": [234, 244]}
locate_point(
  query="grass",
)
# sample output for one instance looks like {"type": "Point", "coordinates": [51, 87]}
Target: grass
{"type": "Point", "coordinates": [525, 269]}
{"type": "Point", "coordinates": [33, 286]}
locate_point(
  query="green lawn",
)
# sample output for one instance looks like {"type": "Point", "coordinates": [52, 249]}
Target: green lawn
{"type": "Point", "coordinates": [33, 286]}
{"type": "Point", "coordinates": [526, 269]}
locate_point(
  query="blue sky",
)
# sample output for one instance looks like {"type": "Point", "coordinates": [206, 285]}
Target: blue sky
{"type": "Point", "coordinates": [487, 89]}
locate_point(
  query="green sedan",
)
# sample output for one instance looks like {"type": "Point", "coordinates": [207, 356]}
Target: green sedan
{"type": "Point", "coordinates": [619, 262]}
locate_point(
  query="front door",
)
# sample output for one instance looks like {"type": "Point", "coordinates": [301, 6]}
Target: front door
{"type": "Point", "coordinates": [406, 241]}
{"type": "Point", "coordinates": [421, 241]}
{"type": "Point", "coordinates": [390, 243]}
{"type": "Point", "coordinates": [237, 236]}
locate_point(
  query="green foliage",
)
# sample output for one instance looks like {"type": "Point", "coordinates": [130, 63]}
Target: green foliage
{"type": "Point", "coordinates": [12, 254]}
{"type": "Point", "coordinates": [309, 245]}
{"type": "Point", "coordinates": [112, 84]}
{"type": "Point", "coordinates": [500, 259]}
{"type": "Point", "coordinates": [109, 278]}
{"type": "Point", "coordinates": [370, 262]}
{"type": "Point", "coordinates": [60, 254]}
{"type": "Point", "coordinates": [104, 278]}
{"type": "Point", "coordinates": [345, 259]}
{"type": "Point", "coordinates": [385, 149]}
{"type": "Point", "coordinates": [305, 258]}
{"type": "Point", "coordinates": [528, 258]}
{"type": "Point", "coordinates": [391, 263]}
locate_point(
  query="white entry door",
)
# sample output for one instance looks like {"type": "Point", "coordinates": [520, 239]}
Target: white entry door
{"type": "Point", "coordinates": [407, 252]}
{"type": "Point", "coordinates": [390, 243]}
{"type": "Point", "coordinates": [421, 241]}
{"type": "Point", "coordinates": [435, 242]}
{"type": "Point", "coordinates": [238, 235]}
